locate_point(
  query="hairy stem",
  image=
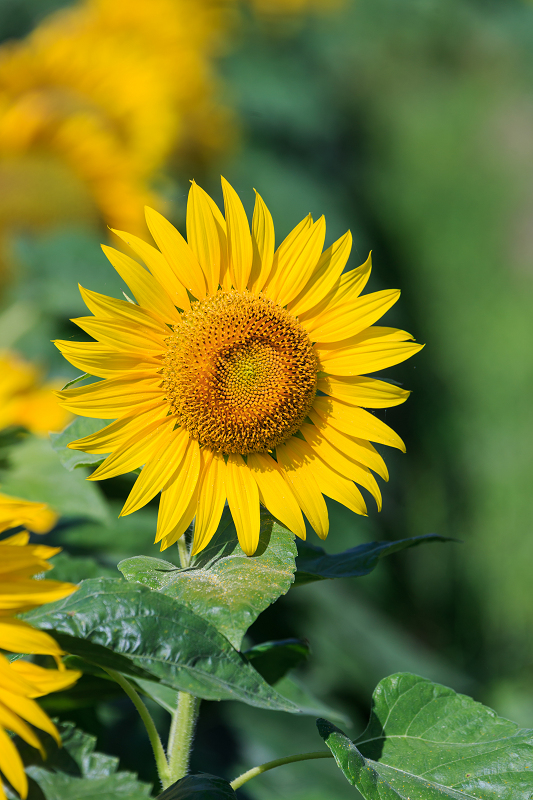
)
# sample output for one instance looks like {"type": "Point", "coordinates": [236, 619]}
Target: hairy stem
{"type": "Point", "coordinates": [181, 735]}
{"type": "Point", "coordinates": [183, 552]}
{"type": "Point", "coordinates": [155, 741]}
{"type": "Point", "coordinates": [278, 762]}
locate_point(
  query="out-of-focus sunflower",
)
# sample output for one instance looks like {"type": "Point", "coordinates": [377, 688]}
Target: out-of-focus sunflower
{"type": "Point", "coordinates": [20, 681]}
{"type": "Point", "coordinates": [25, 400]}
{"type": "Point", "coordinates": [95, 100]}
{"type": "Point", "coordinates": [239, 374]}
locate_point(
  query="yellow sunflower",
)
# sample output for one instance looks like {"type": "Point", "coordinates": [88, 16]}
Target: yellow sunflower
{"type": "Point", "coordinates": [20, 681]}
{"type": "Point", "coordinates": [25, 400]}
{"type": "Point", "coordinates": [238, 375]}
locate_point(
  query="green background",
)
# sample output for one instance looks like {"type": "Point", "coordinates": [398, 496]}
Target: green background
{"type": "Point", "coordinates": [411, 123]}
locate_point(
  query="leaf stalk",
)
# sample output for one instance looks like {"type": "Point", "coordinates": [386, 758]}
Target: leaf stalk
{"type": "Point", "coordinates": [278, 762]}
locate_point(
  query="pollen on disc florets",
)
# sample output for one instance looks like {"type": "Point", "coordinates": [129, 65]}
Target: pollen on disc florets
{"type": "Point", "coordinates": [240, 373]}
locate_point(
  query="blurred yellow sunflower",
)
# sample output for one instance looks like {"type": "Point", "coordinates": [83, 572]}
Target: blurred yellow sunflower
{"type": "Point", "coordinates": [20, 681]}
{"type": "Point", "coordinates": [238, 376]}
{"type": "Point", "coordinates": [25, 400]}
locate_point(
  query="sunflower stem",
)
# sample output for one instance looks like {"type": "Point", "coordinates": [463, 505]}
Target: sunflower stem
{"type": "Point", "coordinates": [278, 762]}
{"type": "Point", "coordinates": [155, 741]}
{"type": "Point", "coordinates": [181, 735]}
{"type": "Point", "coordinates": [183, 552]}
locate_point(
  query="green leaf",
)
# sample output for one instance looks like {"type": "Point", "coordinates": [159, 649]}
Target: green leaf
{"type": "Point", "coordinates": [314, 564]}
{"type": "Point", "coordinates": [273, 660]}
{"type": "Point", "coordinates": [223, 585]}
{"type": "Point", "coordinates": [80, 427]}
{"type": "Point", "coordinates": [77, 771]}
{"type": "Point", "coordinates": [425, 742]}
{"type": "Point", "coordinates": [202, 785]}
{"type": "Point", "coordinates": [161, 636]}
{"type": "Point", "coordinates": [35, 473]}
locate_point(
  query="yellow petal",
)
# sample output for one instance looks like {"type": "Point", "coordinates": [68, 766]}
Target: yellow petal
{"type": "Point", "coordinates": [123, 336]}
{"type": "Point", "coordinates": [181, 523]}
{"type": "Point", "coordinates": [135, 451]}
{"type": "Point", "coordinates": [356, 422]}
{"type": "Point", "coordinates": [330, 482]}
{"type": "Point", "coordinates": [113, 397]}
{"type": "Point", "coordinates": [238, 237]}
{"type": "Point", "coordinates": [366, 392]}
{"type": "Point", "coordinates": [325, 276]}
{"type": "Point", "coordinates": [114, 435]}
{"type": "Point", "coordinates": [31, 712]}
{"type": "Point", "coordinates": [110, 308]}
{"type": "Point", "coordinates": [348, 319]}
{"type": "Point", "coordinates": [25, 593]}
{"type": "Point", "coordinates": [340, 462]}
{"type": "Point", "coordinates": [11, 764]}
{"type": "Point", "coordinates": [347, 289]}
{"type": "Point", "coordinates": [263, 244]}
{"type": "Point", "coordinates": [19, 637]}
{"type": "Point", "coordinates": [160, 269]}
{"type": "Point", "coordinates": [243, 500]}
{"type": "Point", "coordinates": [177, 493]}
{"type": "Point", "coordinates": [294, 266]}
{"type": "Point", "coordinates": [281, 255]}
{"type": "Point", "coordinates": [43, 681]}
{"type": "Point", "coordinates": [305, 488]}
{"type": "Point", "coordinates": [157, 471]}
{"type": "Point", "coordinates": [211, 499]}
{"type": "Point", "coordinates": [275, 492]}
{"type": "Point", "coordinates": [359, 450]}
{"type": "Point", "coordinates": [103, 362]}
{"type": "Point", "coordinates": [146, 289]}
{"type": "Point", "coordinates": [203, 235]}
{"type": "Point", "coordinates": [374, 349]}
{"type": "Point", "coordinates": [177, 252]}
{"type": "Point", "coordinates": [11, 721]}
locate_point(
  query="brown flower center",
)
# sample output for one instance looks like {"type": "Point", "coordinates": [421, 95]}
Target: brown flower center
{"type": "Point", "coordinates": [240, 373]}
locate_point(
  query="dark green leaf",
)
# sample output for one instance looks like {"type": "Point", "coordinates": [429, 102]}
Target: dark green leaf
{"type": "Point", "coordinates": [199, 787]}
{"type": "Point", "coordinates": [159, 635]}
{"type": "Point", "coordinates": [223, 585]}
{"type": "Point", "coordinates": [314, 564]}
{"type": "Point", "coordinates": [77, 771]}
{"type": "Point", "coordinates": [274, 659]}
{"type": "Point", "coordinates": [80, 427]}
{"type": "Point", "coordinates": [35, 473]}
{"type": "Point", "coordinates": [425, 742]}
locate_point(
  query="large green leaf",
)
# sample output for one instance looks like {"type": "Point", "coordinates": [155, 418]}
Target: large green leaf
{"type": "Point", "coordinates": [36, 473]}
{"type": "Point", "coordinates": [80, 427]}
{"type": "Point", "coordinates": [223, 585]}
{"type": "Point", "coordinates": [426, 742]}
{"type": "Point", "coordinates": [159, 635]}
{"type": "Point", "coordinates": [76, 771]}
{"type": "Point", "coordinates": [199, 787]}
{"type": "Point", "coordinates": [314, 564]}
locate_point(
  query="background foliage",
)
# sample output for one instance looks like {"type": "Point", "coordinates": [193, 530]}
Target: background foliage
{"type": "Point", "coordinates": [412, 124]}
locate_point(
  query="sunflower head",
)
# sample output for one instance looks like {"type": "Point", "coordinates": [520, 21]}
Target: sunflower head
{"type": "Point", "coordinates": [240, 374]}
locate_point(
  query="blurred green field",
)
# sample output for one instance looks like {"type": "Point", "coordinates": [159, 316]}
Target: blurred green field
{"type": "Point", "coordinates": [411, 123]}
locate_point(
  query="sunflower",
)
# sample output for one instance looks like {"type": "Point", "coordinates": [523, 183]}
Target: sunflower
{"type": "Point", "coordinates": [20, 681]}
{"type": "Point", "coordinates": [25, 400]}
{"type": "Point", "coordinates": [239, 373]}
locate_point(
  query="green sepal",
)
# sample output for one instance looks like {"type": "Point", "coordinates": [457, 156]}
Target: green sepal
{"type": "Point", "coordinates": [78, 429]}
